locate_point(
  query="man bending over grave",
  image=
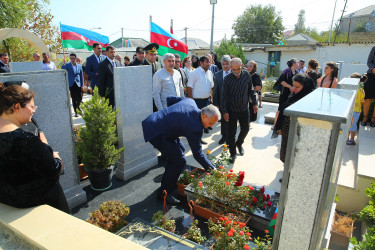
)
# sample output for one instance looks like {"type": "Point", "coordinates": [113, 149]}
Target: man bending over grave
{"type": "Point", "coordinates": [163, 129]}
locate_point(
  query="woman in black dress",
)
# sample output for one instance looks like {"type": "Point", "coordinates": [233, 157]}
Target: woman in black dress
{"type": "Point", "coordinates": [29, 169]}
{"type": "Point", "coordinates": [302, 86]}
{"type": "Point", "coordinates": [285, 80]}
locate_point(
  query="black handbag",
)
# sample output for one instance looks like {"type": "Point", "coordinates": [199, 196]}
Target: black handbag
{"type": "Point", "coordinates": [253, 116]}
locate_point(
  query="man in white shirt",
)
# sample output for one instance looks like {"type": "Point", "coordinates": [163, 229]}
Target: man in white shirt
{"type": "Point", "coordinates": [200, 85]}
{"type": "Point", "coordinates": [301, 66]}
{"type": "Point", "coordinates": [166, 82]}
{"type": "Point", "coordinates": [46, 63]}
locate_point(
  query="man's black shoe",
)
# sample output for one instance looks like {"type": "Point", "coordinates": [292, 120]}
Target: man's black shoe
{"type": "Point", "coordinates": [76, 115]}
{"type": "Point", "coordinates": [203, 142]}
{"type": "Point", "coordinates": [206, 130]}
{"type": "Point", "coordinates": [240, 150]}
{"type": "Point", "coordinates": [232, 159]}
{"type": "Point", "coordinates": [222, 141]}
{"type": "Point", "coordinates": [170, 199]}
{"type": "Point", "coordinates": [210, 128]}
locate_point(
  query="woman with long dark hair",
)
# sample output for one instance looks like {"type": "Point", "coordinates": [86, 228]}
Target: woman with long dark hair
{"type": "Point", "coordinates": [29, 169]}
{"type": "Point", "coordinates": [195, 61]}
{"type": "Point", "coordinates": [302, 86]}
{"type": "Point", "coordinates": [329, 80]}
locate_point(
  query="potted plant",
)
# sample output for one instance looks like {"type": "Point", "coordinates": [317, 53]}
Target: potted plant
{"type": "Point", "coordinates": [110, 216]}
{"type": "Point", "coordinates": [186, 178]}
{"type": "Point", "coordinates": [229, 234]}
{"type": "Point", "coordinates": [222, 192]}
{"type": "Point", "coordinates": [194, 233]}
{"type": "Point", "coordinates": [81, 169]}
{"type": "Point", "coordinates": [342, 230]}
{"type": "Point", "coordinates": [160, 220]}
{"type": "Point", "coordinates": [97, 139]}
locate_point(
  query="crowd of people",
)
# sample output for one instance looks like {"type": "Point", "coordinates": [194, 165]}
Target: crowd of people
{"type": "Point", "coordinates": [189, 97]}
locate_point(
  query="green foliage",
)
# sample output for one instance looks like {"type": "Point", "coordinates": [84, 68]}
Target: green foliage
{"type": "Point", "coordinates": [368, 242]}
{"type": "Point", "coordinates": [258, 24]}
{"type": "Point", "coordinates": [161, 221]}
{"type": "Point", "coordinates": [222, 159]}
{"type": "Point", "coordinates": [268, 86]}
{"type": "Point", "coordinates": [194, 233]}
{"type": "Point", "coordinates": [299, 27]}
{"type": "Point", "coordinates": [31, 15]}
{"type": "Point", "coordinates": [97, 139]}
{"type": "Point", "coordinates": [263, 243]}
{"type": "Point", "coordinates": [187, 177]}
{"type": "Point", "coordinates": [368, 213]}
{"type": "Point", "coordinates": [230, 47]}
{"type": "Point", "coordinates": [110, 216]}
{"type": "Point", "coordinates": [370, 192]}
{"type": "Point", "coordinates": [361, 27]}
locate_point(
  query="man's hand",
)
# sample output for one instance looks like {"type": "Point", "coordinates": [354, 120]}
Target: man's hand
{"type": "Point", "coordinates": [255, 108]}
{"type": "Point", "coordinates": [373, 70]}
{"type": "Point", "coordinates": [226, 117]}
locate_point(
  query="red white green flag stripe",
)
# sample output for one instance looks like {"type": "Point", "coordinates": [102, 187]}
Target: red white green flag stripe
{"type": "Point", "coordinates": [167, 42]}
{"type": "Point", "coordinates": [77, 38]}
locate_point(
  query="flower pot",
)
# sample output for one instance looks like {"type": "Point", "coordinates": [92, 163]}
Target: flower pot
{"type": "Point", "coordinates": [340, 239]}
{"type": "Point", "coordinates": [100, 179]}
{"type": "Point", "coordinates": [181, 187]}
{"type": "Point", "coordinates": [207, 213]}
{"type": "Point", "coordinates": [82, 172]}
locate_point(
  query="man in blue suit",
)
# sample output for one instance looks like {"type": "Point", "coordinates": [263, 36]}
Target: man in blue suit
{"type": "Point", "coordinates": [75, 77]}
{"type": "Point", "coordinates": [92, 64]}
{"type": "Point", "coordinates": [163, 129]}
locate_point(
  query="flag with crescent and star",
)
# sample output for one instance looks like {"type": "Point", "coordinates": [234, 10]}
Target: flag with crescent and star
{"type": "Point", "coordinates": [167, 42]}
{"type": "Point", "coordinates": [77, 38]}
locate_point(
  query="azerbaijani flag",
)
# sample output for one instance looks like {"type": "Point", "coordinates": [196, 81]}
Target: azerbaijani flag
{"type": "Point", "coordinates": [77, 38]}
{"type": "Point", "coordinates": [168, 43]}
{"type": "Point", "coordinates": [271, 226]}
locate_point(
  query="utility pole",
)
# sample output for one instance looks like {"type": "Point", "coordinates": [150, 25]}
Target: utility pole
{"type": "Point", "coordinates": [122, 37]}
{"type": "Point", "coordinates": [150, 26]}
{"type": "Point", "coordinates": [171, 29]}
{"type": "Point", "coordinates": [333, 17]}
{"type": "Point", "coordinates": [343, 11]}
{"type": "Point", "coordinates": [186, 35]}
{"type": "Point", "coordinates": [213, 2]}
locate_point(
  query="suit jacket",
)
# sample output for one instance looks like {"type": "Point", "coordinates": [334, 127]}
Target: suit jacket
{"type": "Point", "coordinates": [184, 77]}
{"type": "Point", "coordinates": [92, 68]}
{"type": "Point", "coordinates": [3, 68]}
{"type": "Point", "coordinates": [218, 88]}
{"type": "Point", "coordinates": [156, 66]}
{"type": "Point", "coordinates": [181, 118]}
{"type": "Point", "coordinates": [76, 77]}
{"type": "Point", "coordinates": [105, 81]}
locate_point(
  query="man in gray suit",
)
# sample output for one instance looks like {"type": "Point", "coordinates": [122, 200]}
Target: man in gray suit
{"type": "Point", "coordinates": [218, 91]}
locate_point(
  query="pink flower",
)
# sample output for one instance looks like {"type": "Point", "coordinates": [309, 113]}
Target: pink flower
{"type": "Point", "coordinates": [200, 184]}
{"type": "Point", "coordinates": [242, 233]}
{"type": "Point", "coordinates": [269, 203]}
{"type": "Point", "coordinates": [192, 176]}
{"type": "Point", "coordinates": [208, 174]}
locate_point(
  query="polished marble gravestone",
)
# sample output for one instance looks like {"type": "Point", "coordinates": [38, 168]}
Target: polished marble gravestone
{"type": "Point", "coordinates": [25, 66]}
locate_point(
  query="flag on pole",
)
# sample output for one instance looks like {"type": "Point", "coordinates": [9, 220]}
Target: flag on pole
{"type": "Point", "coordinates": [167, 42]}
{"type": "Point", "coordinates": [77, 38]}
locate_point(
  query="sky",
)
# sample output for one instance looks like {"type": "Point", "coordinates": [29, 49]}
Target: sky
{"type": "Point", "coordinates": [196, 15]}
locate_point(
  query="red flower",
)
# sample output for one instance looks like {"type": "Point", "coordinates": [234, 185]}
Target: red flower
{"type": "Point", "coordinates": [262, 190]}
{"type": "Point", "coordinates": [208, 174]}
{"type": "Point", "coordinates": [221, 219]}
{"type": "Point", "coordinates": [226, 218]}
{"type": "Point", "coordinates": [242, 225]}
{"type": "Point", "coordinates": [238, 184]}
{"type": "Point", "coordinates": [221, 167]}
{"type": "Point", "coordinates": [230, 233]}
{"type": "Point", "coordinates": [234, 223]}
{"type": "Point", "coordinates": [255, 200]}
{"type": "Point", "coordinates": [227, 183]}
{"type": "Point", "coordinates": [248, 234]}
{"type": "Point", "coordinates": [231, 230]}
{"type": "Point", "coordinates": [269, 203]}
{"type": "Point", "coordinates": [241, 233]}
{"type": "Point", "coordinates": [251, 188]}
{"type": "Point", "coordinates": [200, 184]}
{"type": "Point", "coordinates": [192, 176]}
{"type": "Point", "coordinates": [231, 170]}
{"type": "Point", "coordinates": [266, 231]}
{"type": "Point", "coordinates": [264, 197]}
{"type": "Point", "coordinates": [226, 223]}
{"type": "Point", "coordinates": [246, 247]}
{"type": "Point", "coordinates": [268, 197]}
{"type": "Point", "coordinates": [264, 206]}
{"type": "Point", "coordinates": [247, 202]}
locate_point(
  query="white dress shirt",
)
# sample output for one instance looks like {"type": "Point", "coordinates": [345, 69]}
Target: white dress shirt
{"type": "Point", "coordinates": [201, 82]}
{"type": "Point", "coordinates": [225, 73]}
{"type": "Point", "coordinates": [188, 71]}
{"type": "Point", "coordinates": [164, 85]}
{"type": "Point", "coordinates": [48, 66]}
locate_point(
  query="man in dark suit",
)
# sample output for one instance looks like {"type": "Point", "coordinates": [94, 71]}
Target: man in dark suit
{"type": "Point", "coordinates": [76, 81]}
{"type": "Point", "coordinates": [92, 64]}
{"type": "Point", "coordinates": [218, 92]}
{"type": "Point", "coordinates": [105, 75]}
{"type": "Point", "coordinates": [4, 59]}
{"type": "Point", "coordinates": [184, 76]}
{"type": "Point", "coordinates": [163, 129]}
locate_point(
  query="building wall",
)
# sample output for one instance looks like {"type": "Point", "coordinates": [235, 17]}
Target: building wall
{"type": "Point", "coordinates": [344, 27]}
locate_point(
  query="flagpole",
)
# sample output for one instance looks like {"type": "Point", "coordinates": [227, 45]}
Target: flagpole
{"type": "Point", "coordinates": [150, 27]}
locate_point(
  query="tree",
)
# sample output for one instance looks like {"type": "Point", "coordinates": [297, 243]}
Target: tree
{"type": "Point", "coordinates": [30, 15]}
{"type": "Point", "coordinates": [258, 25]}
{"type": "Point", "coordinates": [230, 47]}
{"type": "Point", "coordinates": [299, 27]}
